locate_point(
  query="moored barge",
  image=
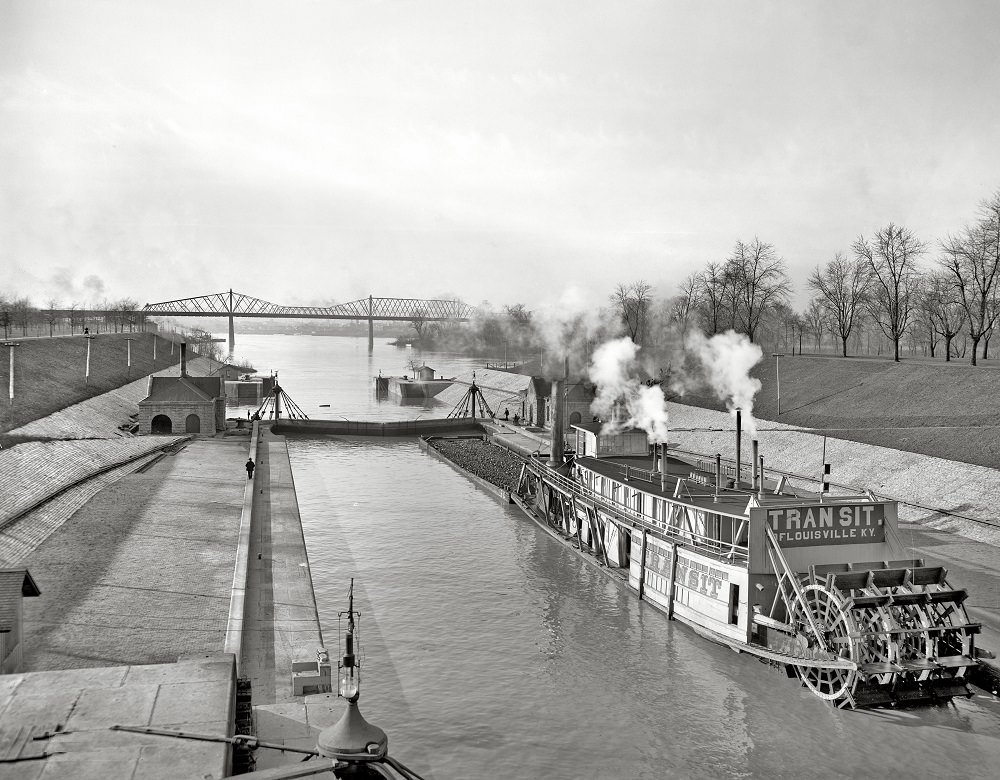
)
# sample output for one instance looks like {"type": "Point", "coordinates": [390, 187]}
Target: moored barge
{"type": "Point", "coordinates": [816, 584]}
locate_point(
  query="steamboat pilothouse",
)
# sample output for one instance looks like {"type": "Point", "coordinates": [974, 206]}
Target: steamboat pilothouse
{"type": "Point", "coordinates": [816, 584]}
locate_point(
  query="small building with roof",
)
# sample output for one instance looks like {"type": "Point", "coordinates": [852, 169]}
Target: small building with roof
{"type": "Point", "coordinates": [183, 404]}
{"type": "Point", "coordinates": [15, 586]}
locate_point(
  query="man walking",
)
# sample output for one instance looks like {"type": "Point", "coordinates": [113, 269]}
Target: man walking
{"type": "Point", "coordinates": [250, 467]}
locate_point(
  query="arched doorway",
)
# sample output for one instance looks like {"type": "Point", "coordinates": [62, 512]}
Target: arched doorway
{"type": "Point", "coordinates": [192, 424]}
{"type": "Point", "coordinates": [160, 424]}
{"type": "Point", "coordinates": [574, 418]}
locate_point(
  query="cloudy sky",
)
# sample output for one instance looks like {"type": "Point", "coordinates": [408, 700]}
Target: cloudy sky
{"type": "Point", "coordinates": [311, 152]}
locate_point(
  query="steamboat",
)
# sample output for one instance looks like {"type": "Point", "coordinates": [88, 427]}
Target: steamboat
{"type": "Point", "coordinates": [815, 584]}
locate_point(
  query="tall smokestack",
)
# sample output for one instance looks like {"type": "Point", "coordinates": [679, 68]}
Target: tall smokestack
{"type": "Point", "coordinates": [663, 466]}
{"type": "Point", "coordinates": [753, 461]}
{"type": "Point", "coordinates": [760, 495]}
{"type": "Point", "coordinates": [556, 450]}
{"type": "Point", "coordinates": [184, 363]}
{"type": "Point", "coordinates": [718, 475]}
{"type": "Point", "coordinates": [739, 437]}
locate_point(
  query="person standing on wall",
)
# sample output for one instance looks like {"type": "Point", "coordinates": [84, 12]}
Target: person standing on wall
{"type": "Point", "coordinates": [250, 467]}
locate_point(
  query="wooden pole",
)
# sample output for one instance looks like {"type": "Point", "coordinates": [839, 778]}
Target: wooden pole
{"type": "Point", "coordinates": [642, 565]}
{"type": "Point", "coordinates": [673, 577]}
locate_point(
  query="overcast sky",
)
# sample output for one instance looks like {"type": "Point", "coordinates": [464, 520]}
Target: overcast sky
{"type": "Point", "coordinates": [311, 152]}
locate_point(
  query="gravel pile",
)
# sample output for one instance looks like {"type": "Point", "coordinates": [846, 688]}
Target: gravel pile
{"type": "Point", "coordinates": [497, 465]}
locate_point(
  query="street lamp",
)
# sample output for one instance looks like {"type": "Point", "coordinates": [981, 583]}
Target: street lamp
{"type": "Point", "coordinates": [777, 373]}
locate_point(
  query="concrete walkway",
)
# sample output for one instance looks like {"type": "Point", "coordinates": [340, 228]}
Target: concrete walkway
{"type": "Point", "coordinates": [143, 572]}
{"type": "Point", "coordinates": [281, 624]}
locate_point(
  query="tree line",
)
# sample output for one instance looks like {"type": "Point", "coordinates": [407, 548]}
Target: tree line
{"type": "Point", "coordinates": [891, 287]}
{"type": "Point", "coordinates": [19, 316]}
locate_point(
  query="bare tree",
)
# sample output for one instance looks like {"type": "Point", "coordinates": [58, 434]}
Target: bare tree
{"type": "Point", "coordinates": [973, 258]}
{"type": "Point", "coordinates": [714, 283]}
{"type": "Point", "coordinates": [21, 314]}
{"type": "Point", "coordinates": [631, 304]}
{"type": "Point", "coordinates": [816, 321]}
{"type": "Point", "coordinates": [841, 286]}
{"type": "Point", "coordinates": [759, 282]}
{"type": "Point", "coordinates": [50, 316]}
{"type": "Point", "coordinates": [892, 256]}
{"type": "Point", "coordinates": [683, 307]}
{"type": "Point", "coordinates": [942, 308]}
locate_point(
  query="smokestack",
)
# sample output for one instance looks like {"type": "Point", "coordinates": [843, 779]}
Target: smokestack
{"type": "Point", "coordinates": [556, 450]}
{"type": "Point", "coordinates": [718, 475]}
{"type": "Point", "coordinates": [760, 495]}
{"type": "Point", "coordinates": [184, 364]}
{"type": "Point", "coordinates": [663, 466]}
{"type": "Point", "coordinates": [739, 437]}
{"type": "Point", "coordinates": [753, 462]}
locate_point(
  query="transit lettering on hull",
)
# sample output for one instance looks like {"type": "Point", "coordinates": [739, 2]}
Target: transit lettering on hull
{"type": "Point", "coordinates": [824, 524]}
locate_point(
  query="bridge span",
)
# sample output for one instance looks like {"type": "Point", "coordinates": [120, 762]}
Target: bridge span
{"type": "Point", "coordinates": [233, 304]}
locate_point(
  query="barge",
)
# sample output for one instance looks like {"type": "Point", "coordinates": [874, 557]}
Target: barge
{"type": "Point", "coordinates": [818, 585]}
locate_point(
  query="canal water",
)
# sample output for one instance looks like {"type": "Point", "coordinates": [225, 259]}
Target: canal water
{"type": "Point", "coordinates": [490, 650]}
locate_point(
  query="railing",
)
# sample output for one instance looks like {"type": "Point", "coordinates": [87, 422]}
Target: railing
{"type": "Point", "coordinates": [728, 552]}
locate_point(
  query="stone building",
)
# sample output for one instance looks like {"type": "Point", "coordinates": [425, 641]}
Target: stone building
{"type": "Point", "coordinates": [577, 398]}
{"type": "Point", "coordinates": [183, 404]}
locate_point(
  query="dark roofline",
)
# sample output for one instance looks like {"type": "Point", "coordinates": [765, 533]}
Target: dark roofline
{"type": "Point", "coordinates": [28, 585]}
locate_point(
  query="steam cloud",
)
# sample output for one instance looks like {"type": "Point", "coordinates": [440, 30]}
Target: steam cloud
{"type": "Point", "coordinates": [723, 363]}
{"type": "Point", "coordinates": [566, 329]}
{"type": "Point", "coordinates": [613, 369]}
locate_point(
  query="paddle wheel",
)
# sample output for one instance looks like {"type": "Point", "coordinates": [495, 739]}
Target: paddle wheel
{"type": "Point", "coordinates": [901, 629]}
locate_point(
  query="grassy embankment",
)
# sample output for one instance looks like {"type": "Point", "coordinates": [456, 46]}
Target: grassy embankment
{"type": "Point", "coordinates": [50, 373]}
{"type": "Point", "coordinates": [948, 410]}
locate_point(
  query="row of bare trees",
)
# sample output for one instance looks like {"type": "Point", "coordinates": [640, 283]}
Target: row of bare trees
{"type": "Point", "coordinates": [19, 316]}
{"type": "Point", "coordinates": [883, 288]}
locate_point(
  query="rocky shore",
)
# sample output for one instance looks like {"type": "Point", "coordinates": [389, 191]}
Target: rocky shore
{"type": "Point", "coordinates": [493, 463]}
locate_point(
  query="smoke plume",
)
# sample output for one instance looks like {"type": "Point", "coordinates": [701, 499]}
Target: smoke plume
{"type": "Point", "coordinates": [723, 362]}
{"type": "Point", "coordinates": [566, 328]}
{"type": "Point", "coordinates": [613, 369]}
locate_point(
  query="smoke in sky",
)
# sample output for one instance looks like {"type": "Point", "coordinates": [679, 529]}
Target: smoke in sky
{"type": "Point", "coordinates": [614, 369]}
{"type": "Point", "coordinates": [723, 363]}
{"type": "Point", "coordinates": [567, 327]}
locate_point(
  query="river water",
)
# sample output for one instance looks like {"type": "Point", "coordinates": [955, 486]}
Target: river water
{"type": "Point", "coordinates": [491, 650]}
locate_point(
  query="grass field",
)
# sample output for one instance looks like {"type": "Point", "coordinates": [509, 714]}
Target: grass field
{"type": "Point", "coordinates": [51, 373]}
{"type": "Point", "coordinates": [948, 410]}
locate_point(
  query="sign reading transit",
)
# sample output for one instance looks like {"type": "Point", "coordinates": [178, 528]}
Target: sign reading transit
{"type": "Point", "coordinates": [821, 524]}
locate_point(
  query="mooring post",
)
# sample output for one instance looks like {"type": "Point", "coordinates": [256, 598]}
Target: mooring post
{"type": "Point", "coordinates": [673, 577]}
{"type": "Point", "coordinates": [642, 565]}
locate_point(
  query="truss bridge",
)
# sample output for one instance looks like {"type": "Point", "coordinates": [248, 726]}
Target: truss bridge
{"type": "Point", "coordinates": [233, 304]}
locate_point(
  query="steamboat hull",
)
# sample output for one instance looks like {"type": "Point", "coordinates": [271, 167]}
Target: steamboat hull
{"type": "Point", "coordinates": [820, 589]}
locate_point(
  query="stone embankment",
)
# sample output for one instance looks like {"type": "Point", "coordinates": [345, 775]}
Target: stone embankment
{"type": "Point", "coordinates": [497, 465]}
{"type": "Point", "coordinates": [36, 471]}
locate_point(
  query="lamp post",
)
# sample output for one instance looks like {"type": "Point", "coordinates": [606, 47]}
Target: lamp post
{"type": "Point", "coordinates": [777, 374]}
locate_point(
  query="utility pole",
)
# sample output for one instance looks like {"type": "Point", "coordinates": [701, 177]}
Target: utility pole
{"type": "Point", "coordinates": [10, 348]}
{"type": "Point", "coordinates": [128, 345]}
{"type": "Point", "coordinates": [89, 338]}
{"type": "Point", "coordinates": [777, 373]}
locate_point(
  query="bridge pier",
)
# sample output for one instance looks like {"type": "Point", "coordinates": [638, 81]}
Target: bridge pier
{"type": "Point", "coordinates": [371, 325]}
{"type": "Point", "coordinates": [232, 334]}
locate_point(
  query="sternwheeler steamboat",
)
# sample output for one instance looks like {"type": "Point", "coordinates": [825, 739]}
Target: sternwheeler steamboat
{"type": "Point", "coordinates": [816, 584]}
